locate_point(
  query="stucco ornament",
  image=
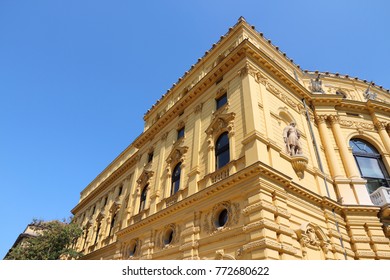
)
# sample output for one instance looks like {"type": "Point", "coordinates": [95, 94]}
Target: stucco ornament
{"type": "Point", "coordinates": [291, 137]}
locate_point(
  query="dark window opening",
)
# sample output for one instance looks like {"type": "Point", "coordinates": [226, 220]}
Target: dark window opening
{"type": "Point", "coordinates": [112, 224]}
{"type": "Point", "coordinates": [222, 218]}
{"type": "Point", "coordinates": [176, 179]}
{"type": "Point", "coordinates": [180, 133]}
{"type": "Point", "coordinates": [150, 157]}
{"type": "Point", "coordinates": [221, 101]}
{"type": "Point", "coordinates": [222, 153]}
{"type": "Point", "coordinates": [143, 198]}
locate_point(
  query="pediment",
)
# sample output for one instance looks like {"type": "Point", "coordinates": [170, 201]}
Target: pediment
{"type": "Point", "coordinates": [221, 122]}
{"type": "Point", "coordinates": [100, 217]}
{"type": "Point", "coordinates": [176, 154]}
{"type": "Point", "coordinates": [115, 207]}
{"type": "Point", "coordinates": [144, 178]}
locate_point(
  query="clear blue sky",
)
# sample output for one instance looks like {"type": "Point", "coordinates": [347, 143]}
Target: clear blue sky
{"type": "Point", "coordinates": [77, 76]}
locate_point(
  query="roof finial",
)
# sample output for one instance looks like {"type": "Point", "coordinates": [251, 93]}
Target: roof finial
{"type": "Point", "coordinates": [241, 18]}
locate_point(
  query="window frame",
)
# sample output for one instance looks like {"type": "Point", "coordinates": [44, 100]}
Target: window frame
{"type": "Point", "coordinates": [372, 154]}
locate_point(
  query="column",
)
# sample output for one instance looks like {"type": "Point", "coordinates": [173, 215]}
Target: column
{"type": "Point", "coordinates": [333, 164]}
{"type": "Point", "coordinates": [360, 193]}
{"type": "Point", "coordinates": [346, 157]}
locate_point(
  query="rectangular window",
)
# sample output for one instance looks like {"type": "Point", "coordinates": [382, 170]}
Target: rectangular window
{"type": "Point", "coordinates": [180, 133]}
{"type": "Point", "coordinates": [221, 101]}
{"type": "Point", "coordinates": [150, 157]}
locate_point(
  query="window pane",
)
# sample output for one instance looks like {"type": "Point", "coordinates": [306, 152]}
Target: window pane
{"type": "Point", "coordinates": [180, 133]}
{"type": "Point", "coordinates": [221, 101]}
{"type": "Point", "coordinates": [374, 184]}
{"type": "Point", "coordinates": [369, 167]}
{"type": "Point", "coordinates": [222, 151]}
{"type": "Point", "coordinates": [223, 159]}
{"type": "Point", "coordinates": [359, 146]}
{"type": "Point", "coordinates": [176, 179]}
{"type": "Point", "coordinates": [222, 141]}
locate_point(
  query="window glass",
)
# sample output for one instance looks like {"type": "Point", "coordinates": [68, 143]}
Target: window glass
{"type": "Point", "coordinates": [222, 154]}
{"type": "Point", "coordinates": [222, 100]}
{"type": "Point", "coordinates": [176, 178]}
{"type": "Point", "coordinates": [362, 147]}
{"type": "Point", "coordinates": [180, 133]}
{"type": "Point", "coordinates": [143, 198]}
{"type": "Point", "coordinates": [222, 218]}
{"type": "Point", "coordinates": [369, 167]}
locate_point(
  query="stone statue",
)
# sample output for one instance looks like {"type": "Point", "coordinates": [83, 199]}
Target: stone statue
{"type": "Point", "coordinates": [291, 137]}
{"type": "Point", "coordinates": [316, 85]}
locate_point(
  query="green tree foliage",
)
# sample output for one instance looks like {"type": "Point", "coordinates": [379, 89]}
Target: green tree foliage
{"type": "Point", "coordinates": [53, 240]}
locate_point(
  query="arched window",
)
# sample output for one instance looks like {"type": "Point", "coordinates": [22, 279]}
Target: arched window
{"type": "Point", "coordinates": [176, 178]}
{"type": "Point", "coordinates": [143, 198]}
{"type": "Point", "coordinates": [222, 154]}
{"type": "Point", "coordinates": [370, 164]}
{"type": "Point", "coordinates": [112, 224]}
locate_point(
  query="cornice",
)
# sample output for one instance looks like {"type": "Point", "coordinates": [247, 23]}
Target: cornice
{"type": "Point", "coordinates": [348, 78]}
{"type": "Point", "coordinates": [102, 186]}
{"type": "Point", "coordinates": [232, 59]}
{"type": "Point", "coordinates": [275, 70]}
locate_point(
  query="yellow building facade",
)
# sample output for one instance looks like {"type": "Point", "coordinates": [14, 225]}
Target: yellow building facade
{"type": "Point", "coordinates": [248, 156]}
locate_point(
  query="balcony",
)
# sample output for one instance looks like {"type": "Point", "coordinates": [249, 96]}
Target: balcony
{"type": "Point", "coordinates": [381, 196]}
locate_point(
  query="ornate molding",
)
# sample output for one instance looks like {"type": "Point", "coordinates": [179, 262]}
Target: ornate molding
{"type": "Point", "coordinates": [198, 108]}
{"type": "Point", "coordinates": [220, 123]}
{"type": "Point", "coordinates": [333, 119]}
{"type": "Point", "coordinates": [320, 118]}
{"type": "Point", "coordinates": [248, 69]}
{"type": "Point", "coordinates": [145, 177]}
{"type": "Point", "coordinates": [233, 210]}
{"type": "Point", "coordinates": [312, 236]}
{"type": "Point", "coordinates": [176, 155]}
{"type": "Point", "coordinates": [357, 125]}
{"type": "Point", "coordinates": [286, 99]}
{"type": "Point", "coordinates": [381, 125]}
{"type": "Point", "coordinates": [115, 207]}
{"type": "Point", "coordinates": [164, 136]}
{"type": "Point", "coordinates": [299, 164]}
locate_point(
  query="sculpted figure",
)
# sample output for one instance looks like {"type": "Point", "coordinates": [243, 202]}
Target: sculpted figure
{"type": "Point", "coordinates": [291, 137]}
{"type": "Point", "coordinates": [316, 85]}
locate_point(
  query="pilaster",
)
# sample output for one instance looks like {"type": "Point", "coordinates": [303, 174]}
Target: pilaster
{"type": "Point", "coordinates": [254, 148]}
{"type": "Point", "coordinates": [193, 174]}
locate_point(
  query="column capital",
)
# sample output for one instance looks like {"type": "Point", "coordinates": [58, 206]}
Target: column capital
{"type": "Point", "coordinates": [334, 119]}
{"type": "Point", "coordinates": [320, 118]}
{"type": "Point", "coordinates": [381, 125]}
{"type": "Point", "coordinates": [198, 108]}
